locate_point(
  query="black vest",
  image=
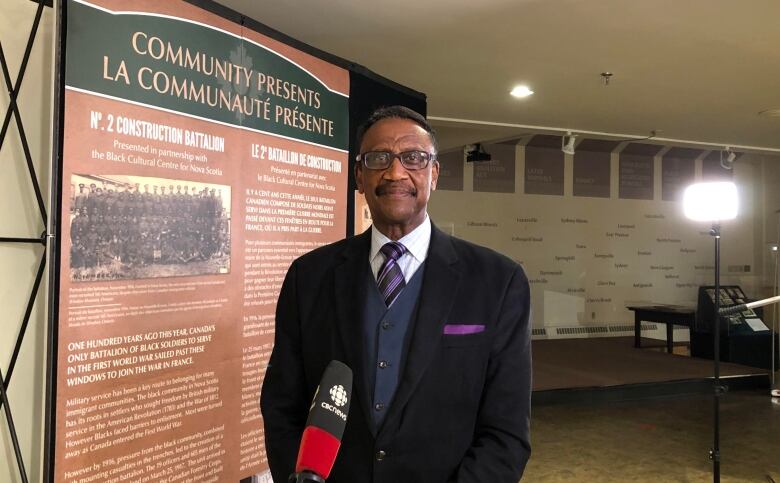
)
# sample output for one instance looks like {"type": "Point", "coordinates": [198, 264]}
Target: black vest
{"type": "Point", "coordinates": [386, 334]}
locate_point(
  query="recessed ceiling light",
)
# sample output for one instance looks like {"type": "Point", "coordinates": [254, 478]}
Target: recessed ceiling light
{"type": "Point", "coordinates": [521, 91]}
{"type": "Point", "coordinates": [770, 113]}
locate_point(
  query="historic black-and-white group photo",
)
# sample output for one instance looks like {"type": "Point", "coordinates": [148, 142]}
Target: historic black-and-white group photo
{"type": "Point", "coordinates": [141, 227]}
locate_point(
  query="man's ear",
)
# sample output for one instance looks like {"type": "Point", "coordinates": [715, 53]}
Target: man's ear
{"type": "Point", "coordinates": [434, 175]}
{"type": "Point", "coordinates": [359, 177]}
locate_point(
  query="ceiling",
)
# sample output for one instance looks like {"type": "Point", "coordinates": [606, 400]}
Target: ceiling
{"type": "Point", "coordinates": [694, 70]}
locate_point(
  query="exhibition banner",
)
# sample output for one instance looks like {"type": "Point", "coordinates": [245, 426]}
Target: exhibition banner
{"type": "Point", "coordinates": [199, 158]}
{"type": "Point", "coordinates": [591, 168]}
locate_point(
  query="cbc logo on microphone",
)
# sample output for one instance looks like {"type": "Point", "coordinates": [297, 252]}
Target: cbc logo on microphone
{"type": "Point", "coordinates": [338, 395]}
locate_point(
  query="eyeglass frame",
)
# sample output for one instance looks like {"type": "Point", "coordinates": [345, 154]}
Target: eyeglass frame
{"type": "Point", "coordinates": [431, 158]}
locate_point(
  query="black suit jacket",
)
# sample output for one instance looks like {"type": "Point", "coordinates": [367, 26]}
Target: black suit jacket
{"type": "Point", "coordinates": [461, 411]}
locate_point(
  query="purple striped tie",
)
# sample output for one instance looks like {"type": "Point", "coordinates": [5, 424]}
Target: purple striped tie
{"type": "Point", "coordinates": [390, 279]}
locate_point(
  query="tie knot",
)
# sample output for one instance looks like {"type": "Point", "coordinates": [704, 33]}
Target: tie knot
{"type": "Point", "coordinates": [393, 250]}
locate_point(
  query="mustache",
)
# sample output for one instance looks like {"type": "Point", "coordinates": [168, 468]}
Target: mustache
{"type": "Point", "coordinates": [389, 186]}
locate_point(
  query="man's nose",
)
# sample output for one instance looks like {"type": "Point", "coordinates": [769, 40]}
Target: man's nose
{"type": "Point", "coordinates": [396, 170]}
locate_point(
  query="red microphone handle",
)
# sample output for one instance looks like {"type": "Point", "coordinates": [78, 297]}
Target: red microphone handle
{"type": "Point", "coordinates": [317, 452]}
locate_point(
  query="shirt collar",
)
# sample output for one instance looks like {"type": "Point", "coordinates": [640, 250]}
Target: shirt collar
{"type": "Point", "coordinates": [416, 241]}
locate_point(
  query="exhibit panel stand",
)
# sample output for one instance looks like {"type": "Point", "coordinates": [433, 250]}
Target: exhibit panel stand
{"type": "Point", "coordinates": [14, 114]}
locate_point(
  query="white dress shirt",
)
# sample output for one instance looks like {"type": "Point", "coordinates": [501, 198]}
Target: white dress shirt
{"type": "Point", "coordinates": [416, 243]}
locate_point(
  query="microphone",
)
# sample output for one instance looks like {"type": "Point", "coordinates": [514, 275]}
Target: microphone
{"type": "Point", "coordinates": [325, 426]}
{"type": "Point", "coordinates": [735, 309]}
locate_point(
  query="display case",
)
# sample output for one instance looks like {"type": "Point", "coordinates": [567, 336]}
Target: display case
{"type": "Point", "coordinates": [744, 338]}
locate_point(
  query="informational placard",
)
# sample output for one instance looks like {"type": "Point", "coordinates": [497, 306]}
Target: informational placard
{"type": "Point", "coordinates": [716, 167]}
{"type": "Point", "coordinates": [591, 174]}
{"type": "Point", "coordinates": [635, 173]}
{"type": "Point", "coordinates": [592, 168]}
{"type": "Point", "coordinates": [498, 174]}
{"type": "Point", "coordinates": [544, 166]}
{"type": "Point", "coordinates": [199, 158]}
{"type": "Point", "coordinates": [678, 170]}
{"type": "Point", "coordinates": [450, 171]}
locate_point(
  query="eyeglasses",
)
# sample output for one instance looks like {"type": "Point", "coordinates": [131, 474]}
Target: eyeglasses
{"type": "Point", "coordinates": [412, 160]}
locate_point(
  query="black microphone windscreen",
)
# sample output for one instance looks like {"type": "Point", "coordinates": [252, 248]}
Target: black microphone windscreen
{"type": "Point", "coordinates": [331, 402]}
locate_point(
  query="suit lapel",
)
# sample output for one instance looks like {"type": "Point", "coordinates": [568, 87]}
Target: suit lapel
{"type": "Point", "coordinates": [350, 290]}
{"type": "Point", "coordinates": [440, 282]}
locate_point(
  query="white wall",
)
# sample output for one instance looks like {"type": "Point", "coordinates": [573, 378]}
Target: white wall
{"type": "Point", "coordinates": [769, 234]}
{"type": "Point", "coordinates": [585, 273]}
{"type": "Point", "coordinates": [19, 217]}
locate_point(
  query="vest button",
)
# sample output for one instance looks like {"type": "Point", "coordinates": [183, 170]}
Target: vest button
{"type": "Point", "coordinates": [383, 364]}
{"type": "Point", "coordinates": [380, 455]}
{"type": "Point", "coordinates": [379, 406]}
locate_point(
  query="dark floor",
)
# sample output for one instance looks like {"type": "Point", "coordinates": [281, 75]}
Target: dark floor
{"type": "Point", "coordinates": [613, 361]}
{"type": "Point", "coordinates": [660, 440]}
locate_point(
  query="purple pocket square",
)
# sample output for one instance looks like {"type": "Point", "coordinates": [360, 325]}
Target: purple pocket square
{"type": "Point", "coordinates": [463, 329]}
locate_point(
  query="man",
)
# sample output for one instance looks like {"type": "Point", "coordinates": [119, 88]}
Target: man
{"type": "Point", "coordinates": [121, 205]}
{"type": "Point", "coordinates": [435, 329]}
{"type": "Point", "coordinates": [147, 200]}
{"type": "Point", "coordinates": [79, 224]}
{"type": "Point", "coordinates": [80, 202]}
{"type": "Point", "coordinates": [110, 202]}
{"type": "Point", "coordinates": [91, 199]}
